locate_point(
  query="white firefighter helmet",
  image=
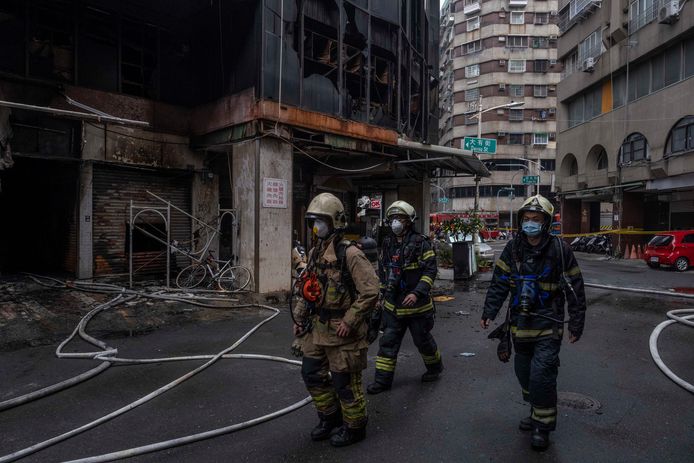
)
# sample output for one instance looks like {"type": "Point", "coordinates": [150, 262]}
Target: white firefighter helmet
{"type": "Point", "coordinates": [401, 208]}
{"type": "Point", "coordinates": [326, 206]}
{"type": "Point", "coordinates": [537, 203]}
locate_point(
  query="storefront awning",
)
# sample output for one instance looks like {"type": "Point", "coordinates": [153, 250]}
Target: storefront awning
{"type": "Point", "coordinates": [444, 157]}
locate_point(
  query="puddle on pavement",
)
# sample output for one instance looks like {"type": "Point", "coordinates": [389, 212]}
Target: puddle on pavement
{"type": "Point", "coordinates": [466, 286]}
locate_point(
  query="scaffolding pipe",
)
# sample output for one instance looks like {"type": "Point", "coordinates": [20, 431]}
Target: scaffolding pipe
{"type": "Point", "coordinates": [75, 114]}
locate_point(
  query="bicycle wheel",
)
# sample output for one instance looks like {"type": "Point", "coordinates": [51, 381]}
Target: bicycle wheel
{"type": "Point", "coordinates": [191, 276]}
{"type": "Point", "coordinates": [234, 279]}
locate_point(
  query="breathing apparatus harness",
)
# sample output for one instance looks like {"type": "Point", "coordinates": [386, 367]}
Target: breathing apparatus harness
{"type": "Point", "coordinates": [528, 293]}
{"type": "Point", "coordinates": [310, 284]}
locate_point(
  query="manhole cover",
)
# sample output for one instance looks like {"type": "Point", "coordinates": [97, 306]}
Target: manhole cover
{"type": "Point", "coordinates": [578, 402]}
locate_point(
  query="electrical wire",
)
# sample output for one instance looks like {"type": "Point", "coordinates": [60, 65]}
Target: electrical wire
{"type": "Point", "coordinates": [136, 137]}
{"type": "Point", "coordinates": [340, 169]}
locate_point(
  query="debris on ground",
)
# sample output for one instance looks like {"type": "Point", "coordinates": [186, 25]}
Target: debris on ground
{"type": "Point", "coordinates": [461, 312]}
{"type": "Point", "coordinates": [465, 354]}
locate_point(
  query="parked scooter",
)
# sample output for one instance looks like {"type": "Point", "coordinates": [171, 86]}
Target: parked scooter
{"type": "Point", "coordinates": [580, 245]}
{"type": "Point", "coordinates": [590, 245]}
{"type": "Point", "coordinates": [603, 245]}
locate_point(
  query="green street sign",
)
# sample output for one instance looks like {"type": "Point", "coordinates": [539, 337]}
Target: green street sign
{"type": "Point", "coordinates": [480, 145]}
{"type": "Point", "coordinates": [443, 200]}
{"type": "Point", "coordinates": [530, 179]}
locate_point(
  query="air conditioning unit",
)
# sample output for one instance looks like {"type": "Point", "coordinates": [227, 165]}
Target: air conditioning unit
{"type": "Point", "coordinates": [552, 111]}
{"type": "Point", "coordinates": [502, 87]}
{"type": "Point", "coordinates": [502, 62]}
{"type": "Point", "coordinates": [552, 136]}
{"type": "Point", "coordinates": [553, 38]}
{"type": "Point", "coordinates": [551, 88]}
{"type": "Point", "coordinates": [501, 134]}
{"type": "Point", "coordinates": [553, 13]}
{"type": "Point", "coordinates": [589, 64]}
{"type": "Point", "coordinates": [669, 12]}
{"type": "Point", "coordinates": [552, 62]}
{"type": "Point", "coordinates": [502, 38]}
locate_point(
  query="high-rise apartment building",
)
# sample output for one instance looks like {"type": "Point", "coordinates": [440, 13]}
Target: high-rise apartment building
{"type": "Point", "coordinates": [626, 129]}
{"type": "Point", "coordinates": [500, 56]}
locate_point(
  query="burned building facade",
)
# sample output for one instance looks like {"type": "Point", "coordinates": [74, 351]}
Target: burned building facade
{"type": "Point", "coordinates": [244, 105]}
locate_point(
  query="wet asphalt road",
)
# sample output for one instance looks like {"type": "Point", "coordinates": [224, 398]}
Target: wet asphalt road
{"type": "Point", "coordinates": [470, 415]}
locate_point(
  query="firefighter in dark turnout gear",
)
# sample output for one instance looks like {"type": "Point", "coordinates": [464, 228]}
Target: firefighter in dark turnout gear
{"type": "Point", "coordinates": [407, 269]}
{"type": "Point", "coordinates": [542, 275]}
{"type": "Point", "coordinates": [339, 293]}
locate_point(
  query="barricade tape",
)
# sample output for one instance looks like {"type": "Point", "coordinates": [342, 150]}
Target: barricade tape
{"type": "Point", "coordinates": [624, 231]}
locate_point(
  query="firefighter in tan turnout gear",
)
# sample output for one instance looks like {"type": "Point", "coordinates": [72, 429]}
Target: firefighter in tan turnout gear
{"type": "Point", "coordinates": [339, 289]}
{"type": "Point", "coordinates": [542, 275]}
{"type": "Point", "coordinates": [407, 270]}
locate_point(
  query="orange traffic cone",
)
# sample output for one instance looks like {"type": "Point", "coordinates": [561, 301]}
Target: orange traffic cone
{"type": "Point", "coordinates": [634, 252]}
{"type": "Point", "coordinates": [627, 251]}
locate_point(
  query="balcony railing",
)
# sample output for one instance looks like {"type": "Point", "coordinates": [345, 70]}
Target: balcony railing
{"type": "Point", "coordinates": [517, 3]}
{"type": "Point", "coordinates": [576, 11]}
{"type": "Point", "coordinates": [472, 8]}
{"type": "Point", "coordinates": [642, 13]}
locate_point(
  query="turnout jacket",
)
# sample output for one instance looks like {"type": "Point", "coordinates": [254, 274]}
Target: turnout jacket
{"type": "Point", "coordinates": [351, 302]}
{"type": "Point", "coordinates": [404, 268]}
{"type": "Point", "coordinates": [540, 265]}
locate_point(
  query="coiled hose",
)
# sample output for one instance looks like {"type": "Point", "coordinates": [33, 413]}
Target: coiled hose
{"type": "Point", "coordinates": [107, 357]}
{"type": "Point", "coordinates": [653, 341]}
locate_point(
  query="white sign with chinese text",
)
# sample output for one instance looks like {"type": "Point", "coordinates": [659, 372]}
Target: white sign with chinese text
{"type": "Point", "coordinates": [275, 193]}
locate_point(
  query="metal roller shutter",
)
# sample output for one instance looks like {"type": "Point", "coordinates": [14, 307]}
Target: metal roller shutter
{"type": "Point", "coordinates": [113, 189]}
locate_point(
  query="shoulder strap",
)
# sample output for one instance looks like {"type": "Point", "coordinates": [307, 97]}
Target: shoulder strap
{"type": "Point", "coordinates": [345, 275]}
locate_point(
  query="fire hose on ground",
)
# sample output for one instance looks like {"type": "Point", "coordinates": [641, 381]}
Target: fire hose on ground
{"type": "Point", "coordinates": [108, 356]}
{"type": "Point", "coordinates": [675, 317]}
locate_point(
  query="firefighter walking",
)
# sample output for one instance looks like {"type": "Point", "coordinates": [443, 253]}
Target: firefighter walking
{"type": "Point", "coordinates": [339, 289]}
{"type": "Point", "coordinates": [542, 275]}
{"type": "Point", "coordinates": [407, 269]}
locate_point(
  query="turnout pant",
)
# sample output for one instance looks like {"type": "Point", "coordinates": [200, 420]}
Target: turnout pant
{"type": "Point", "coordinates": [537, 364]}
{"type": "Point", "coordinates": [420, 327]}
{"type": "Point", "coordinates": [332, 375]}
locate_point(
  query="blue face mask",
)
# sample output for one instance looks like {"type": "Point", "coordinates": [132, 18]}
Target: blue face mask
{"type": "Point", "coordinates": [531, 228]}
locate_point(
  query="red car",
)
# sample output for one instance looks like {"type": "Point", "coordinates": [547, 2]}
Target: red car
{"type": "Point", "coordinates": [673, 248]}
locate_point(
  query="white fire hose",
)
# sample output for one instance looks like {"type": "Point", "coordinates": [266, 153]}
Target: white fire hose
{"type": "Point", "coordinates": [107, 357]}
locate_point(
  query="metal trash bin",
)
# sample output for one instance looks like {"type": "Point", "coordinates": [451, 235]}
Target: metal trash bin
{"type": "Point", "coordinates": [463, 264]}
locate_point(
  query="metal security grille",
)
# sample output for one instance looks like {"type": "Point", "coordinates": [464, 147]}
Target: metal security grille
{"type": "Point", "coordinates": [114, 188]}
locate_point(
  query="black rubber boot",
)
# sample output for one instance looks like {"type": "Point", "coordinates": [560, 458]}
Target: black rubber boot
{"type": "Point", "coordinates": [526, 424]}
{"type": "Point", "coordinates": [539, 439]}
{"type": "Point", "coordinates": [377, 388]}
{"type": "Point", "coordinates": [347, 436]}
{"type": "Point", "coordinates": [326, 425]}
{"type": "Point", "coordinates": [433, 374]}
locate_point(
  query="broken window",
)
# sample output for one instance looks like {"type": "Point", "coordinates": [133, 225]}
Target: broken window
{"type": "Point", "coordinates": [321, 56]}
{"type": "Point", "coordinates": [51, 41]}
{"type": "Point", "coordinates": [11, 27]}
{"type": "Point", "coordinates": [139, 44]}
{"type": "Point", "coordinates": [98, 50]}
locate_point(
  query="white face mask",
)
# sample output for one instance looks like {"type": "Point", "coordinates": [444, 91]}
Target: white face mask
{"type": "Point", "coordinates": [320, 229]}
{"type": "Point", "coordinates": [397, 226]}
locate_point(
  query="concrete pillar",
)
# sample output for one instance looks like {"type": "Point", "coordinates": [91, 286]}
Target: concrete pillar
{"type": "Point", "coordinates": [265, 229]}
{"type": "Point", "coordinates": [205, 203]}
{"type": "Point", "coordinates": [85, 247]}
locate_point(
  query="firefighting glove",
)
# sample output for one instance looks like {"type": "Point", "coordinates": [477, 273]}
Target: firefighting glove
{"type": "Point", "coordinates": [296, 349]}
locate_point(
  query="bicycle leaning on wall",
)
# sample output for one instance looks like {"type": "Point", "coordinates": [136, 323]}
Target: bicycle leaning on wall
{"type": "Point", "coordinates": [227, 277]}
